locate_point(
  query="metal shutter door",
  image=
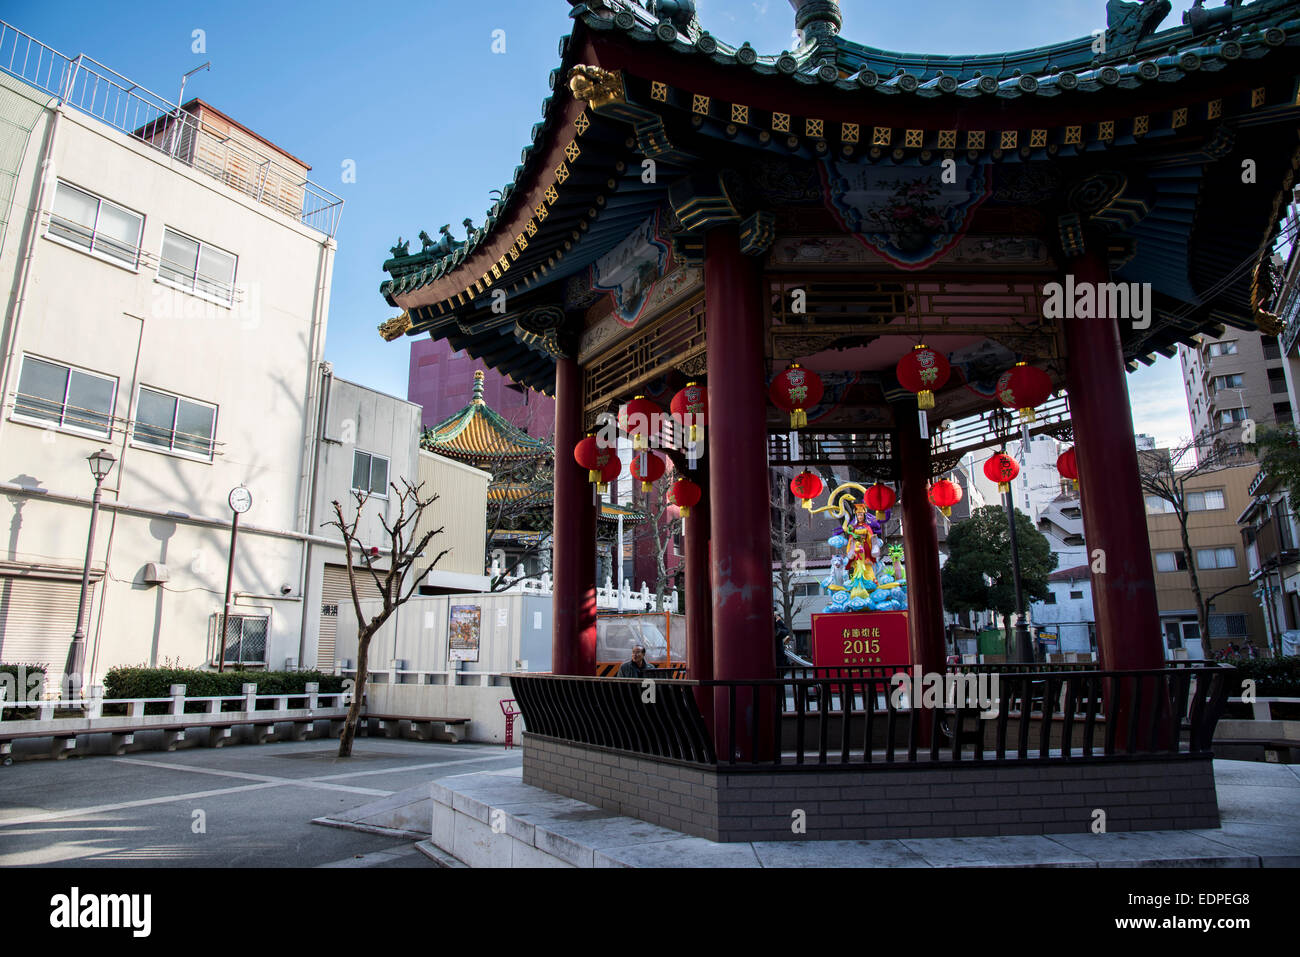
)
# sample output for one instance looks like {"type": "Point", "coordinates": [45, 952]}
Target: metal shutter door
{"type": "Point", "coordinates": [335, 591]}
{"type": "Point", "coordinates": [37, 619]}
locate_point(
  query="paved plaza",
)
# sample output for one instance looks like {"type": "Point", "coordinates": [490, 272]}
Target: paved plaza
{"type": "Point", "coordinates": [258, 805]}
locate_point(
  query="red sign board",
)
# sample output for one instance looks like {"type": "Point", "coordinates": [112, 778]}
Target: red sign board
{"type": "Point", "coordinates": [860, 639]}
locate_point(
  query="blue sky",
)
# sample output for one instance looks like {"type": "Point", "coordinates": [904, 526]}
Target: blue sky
{"type": "Point", "coordinates": [434, 120]}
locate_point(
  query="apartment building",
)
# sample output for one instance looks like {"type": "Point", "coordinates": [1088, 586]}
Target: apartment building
{"type": "Point", "coordinates": [1238, 376]}
{"type": "Point", "coordinates": [1215, 499]}
{"type": "Point", "coordinates": [166, 274]}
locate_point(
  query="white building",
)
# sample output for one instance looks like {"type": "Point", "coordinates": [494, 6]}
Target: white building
{"type": "Point", "coordinates": [167, 276]}
{"type": "Point", "coordinates": [1065, 621]}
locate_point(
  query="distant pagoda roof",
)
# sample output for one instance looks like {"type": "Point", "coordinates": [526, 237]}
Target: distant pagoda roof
{"type": "Point", "coordinates": [540, 496]}
{"type": "Point", "coordinates": [480, 436]}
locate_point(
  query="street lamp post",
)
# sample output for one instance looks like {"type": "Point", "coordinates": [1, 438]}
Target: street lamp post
{"type": "Point", "coordinates": [101, 463]}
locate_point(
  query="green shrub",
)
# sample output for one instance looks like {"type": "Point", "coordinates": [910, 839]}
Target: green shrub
{"type": "Point", "coordinates": [16, 679]}
{"type": "Point", "coordinates": [1274, 677]}
{"type": "Point", "coordinates": [157, 682]}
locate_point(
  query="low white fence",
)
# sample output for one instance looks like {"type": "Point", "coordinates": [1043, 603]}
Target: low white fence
{"type": "Point", "coordinates": [607, 597]}
{"type": "Point", "coordinates": [312, 705]}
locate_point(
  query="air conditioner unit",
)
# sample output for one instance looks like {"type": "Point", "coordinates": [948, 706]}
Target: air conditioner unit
{"type": "Point", "coordinates": [155, 573]}
{"type": "Point", "coordinates": [290, 664]}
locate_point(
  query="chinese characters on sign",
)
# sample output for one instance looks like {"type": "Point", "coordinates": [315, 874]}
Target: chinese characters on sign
{"type": "Point", "coordinates": [861, 638]}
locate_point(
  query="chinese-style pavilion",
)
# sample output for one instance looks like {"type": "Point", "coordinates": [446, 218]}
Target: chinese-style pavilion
{"type": "Point", "coordinates": [519, 492]}
{"type": "Point", "coordinates": [689, 207]}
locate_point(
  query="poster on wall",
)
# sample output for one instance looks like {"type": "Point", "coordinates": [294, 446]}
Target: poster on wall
{"type": "Point", "coordinates": [463, 633]}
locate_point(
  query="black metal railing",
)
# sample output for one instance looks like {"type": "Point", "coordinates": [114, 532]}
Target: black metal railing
{"type": "Point", "coordinates": [870, 720]}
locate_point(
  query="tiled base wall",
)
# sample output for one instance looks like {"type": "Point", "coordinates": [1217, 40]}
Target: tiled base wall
{"type": "Point", "coordinates": [880, 803]}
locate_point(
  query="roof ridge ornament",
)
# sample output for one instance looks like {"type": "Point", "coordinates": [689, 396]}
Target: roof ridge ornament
{"type": "Point", "coordinates": [817, 20]}
{"type": "Point", "coordinates": [1128, 24]}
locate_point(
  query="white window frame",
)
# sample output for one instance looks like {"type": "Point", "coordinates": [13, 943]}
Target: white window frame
{"type": "Point", "coordinates": [1215, 554]}
{"type": "Point", "coordinates": [1174, 556]}
{"type": "Point", "coordinates": [172, 450]}
{"type": "Point", "coordinates": [94, 232]}
{"type": "Point", "coordinates": [17, 416]}
{"type": "Point", "coordinates": [193, 287]}
{"type": "Point", "coordinates": [388, 472]}
{"type": "Point", "coordinates": [1202, 493]}
{"type": "Point", "coordinates": [1160, 506]}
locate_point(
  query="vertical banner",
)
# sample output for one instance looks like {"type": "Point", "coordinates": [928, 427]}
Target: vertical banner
{"type": "Point", "coordinates": [463, 633]}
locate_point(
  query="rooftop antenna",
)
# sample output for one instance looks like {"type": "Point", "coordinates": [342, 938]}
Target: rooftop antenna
{"type": "Point", "coordinates": [181, 97]}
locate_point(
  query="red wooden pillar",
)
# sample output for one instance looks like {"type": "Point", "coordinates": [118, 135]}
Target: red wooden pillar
{"type": "Point", "coordinates": [573, 556]}
{"type": "Point", "coordinates": [925, 630]}
{"type": "Point", "coordinates": [741, 549]}
{"type": "Point", "coordinates": [1114, 512]}
{"type": "Point", "coordinates": [699, 607]}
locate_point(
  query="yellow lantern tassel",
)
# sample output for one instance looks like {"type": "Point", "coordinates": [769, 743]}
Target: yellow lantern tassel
{"type": "Point", "coordinates": [1027, 415]}
{"type": "Point", "coordinates": [593, 475]}
{"type": "Point", "coordinates": [645, 486]}
{"type": "Point", "coordinates": [1004, 487]}
{"type": "Point", "coordinates": [880, 515]}
{"type": "Point", "coordinates": [925, 399]}
{"type": "Point", "coordinates": [807, 503]}
{"type": "Point", "coordinates": [685, 510]}
{"type": "Point", "coordinates": [602, 488]}
{"type": "Point", "coordinates": [798, 419]}
{"type": "Point", "coordinates": [638, 442]}
{"type": "Point", "coordinates": [695, 435]}
{"type": "Point", "coordinates": [947, 511]}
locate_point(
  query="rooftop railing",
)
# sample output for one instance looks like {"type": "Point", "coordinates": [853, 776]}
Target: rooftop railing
{"type": "Point", "coordinates": [104, 94]}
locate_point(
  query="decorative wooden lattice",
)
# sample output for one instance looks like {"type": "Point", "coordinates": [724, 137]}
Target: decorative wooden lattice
{"type": "Point", "coordinates": [661, 347]}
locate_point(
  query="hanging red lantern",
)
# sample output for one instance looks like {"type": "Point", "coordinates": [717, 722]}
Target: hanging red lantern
{"type": "Point", "coordinates": [796, 390]}
{"type": "Point", "coordinates": [1023, 387]}
{"type": "Point", "coordinates": [1068, 466]}
{"type": "Point", "coordinates": [1001, 468]}
{"type": "Point", "coordinates": [685, 494]}
{"type": "Point", "coordinates": [640, 419]}
{"type": "Point", "coordinates": [610, 473]}
{"type": "Point", "coordinates": [923, 371]}
{"type": "Point", "coordinates": [880, 499]}
{"type": "Point", "coordinates": [691, 405]}
{"type": "Point", "coordinates": [648, 467]}
{"type": "Point", "coordinates": [592, 456]}
{"type": "Point", "coordinates": [944, 494]}
{"type": "Point", "coordinates": [806, 486]}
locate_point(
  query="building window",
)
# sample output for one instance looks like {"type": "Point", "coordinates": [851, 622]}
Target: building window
{"type": "Point", "coordinates": [1271, 350]}
{"type": "Point", "coordinates": [1228, 348]}
{"type": "Point", "coordinates": [1231, 416]}
{"type": "Point", "coordinates": [1208, 501]}
{"type": "Point", "coordinates": [1277, 381]}
{"type": "Point", "coordinates": [1282, 413]}
{"type": "Point", "coordinates": [197, 266]}
{"type": "Point", "coordinates": [369, 473]}
{"type": "Point", "coordinates": [1050, 599]}
{"type": "Point", "coordinates": [1159, 506]}
{"type": "Point", "coordinates": [66, 397]}
{"type": "Point", "coordinates": [1216, 558]}
{"type": "Point", "coordinates": [1227, 626]}
{"type": "Point", "coordinates": [245, 639]}
{"type": "Point", "coordinates": [1076, 594]}
{"type": "Point", "coordinates": [174, 423]}
{"type": "Point", "coordinates": [96, 225]}
{"type": "Point", "coordinates": [1171, 562]}
{"type": "Point", "coordinates": [1234, 381]}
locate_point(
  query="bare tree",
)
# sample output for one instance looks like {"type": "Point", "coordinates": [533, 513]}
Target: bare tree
{"type": "Point", "coordinates": [658, 530]}
{"type": "Point", "coordinates": [1165, 474]}
{"type": "Point", "coordinates": [789, 560]}
{"type": "Point", "coordinates": [405, 551]}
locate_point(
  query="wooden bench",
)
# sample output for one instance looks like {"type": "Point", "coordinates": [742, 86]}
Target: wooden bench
{"type": "Point", "coordinates": [423, 728]}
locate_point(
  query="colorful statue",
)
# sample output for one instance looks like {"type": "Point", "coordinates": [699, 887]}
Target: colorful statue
{"type": "Point", "coordinates": [865, 576]}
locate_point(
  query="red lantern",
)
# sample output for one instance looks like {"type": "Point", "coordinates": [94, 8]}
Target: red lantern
{"type": "Point", "coordinates": [1001, 468]}
{"type": "Point", "coordinates": [923, 371]}
{"type": "Point", "coordinates": [1068, 466]}
{"type": "Point", "coordinates": [1023, 387]}
{"type": "Point", "coordinates": [796, 390]}
{"type": "Point", "coordinates": [610, 473]}
{"type": "Point", "coordinates": [806, 486]}
{"type": "Point", "coordinates": [684, 494]}
{"type": "Point", "coordinates": [648, 467]}
{"type": "Point", "coordinates": [879, 498]}
{"type": "Point", "coordinates": [640, 419]}
{"type": "Point", "coordinates": [593, 457]}
{"type": "Point", "coordinates": [691, 405]}
{"type": "Point", "coordinates": [944, 494]}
